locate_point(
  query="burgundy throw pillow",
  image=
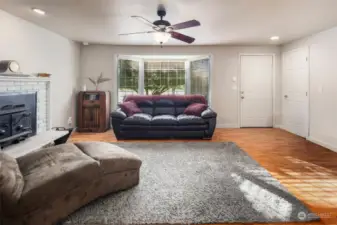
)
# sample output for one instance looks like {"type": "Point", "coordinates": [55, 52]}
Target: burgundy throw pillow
{"type": "Point", "coordinates": [195, 109]}
{"type": "Point", "coordinates": [130, 108]}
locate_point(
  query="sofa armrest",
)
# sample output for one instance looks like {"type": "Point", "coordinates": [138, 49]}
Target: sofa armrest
{"type": "Point", "coordinates": [210, 117]}
{"type": "Point", "coordinates": [11, 185]}
{"type": "Point", "coordinates": [118, 114]}
{"type": "Point", "coordinates": [117, 119]}
{"type": "Point", "coordinates": [208, 113]}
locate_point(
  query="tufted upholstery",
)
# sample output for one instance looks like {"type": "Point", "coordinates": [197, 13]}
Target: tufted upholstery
{"type": "Point", "coordinates": [164, 104]}
{"type": "Point", "coordinates": [190, 120]}
{"type": "Point", "coordinates": [45, 186]}
{"type": "Point", "coordinates": [163, 117]}
{"type": "Point", "coordinates": [112, 158]}
{"type": "Point", "coordinates": [11, 182]}
{"type": "Point", "coordinates": [168, 120]}
{"type": "Point", "coordinates": [47, 172]}
{"type": "Point", "coordinates": [139, 119]}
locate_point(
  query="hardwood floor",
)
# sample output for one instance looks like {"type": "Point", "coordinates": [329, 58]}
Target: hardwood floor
{"type": "Point", "coordinates": [308, 171]}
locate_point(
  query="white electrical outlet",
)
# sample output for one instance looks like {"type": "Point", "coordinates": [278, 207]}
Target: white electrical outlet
{"type": "Point", "coordinates": [70, 121]}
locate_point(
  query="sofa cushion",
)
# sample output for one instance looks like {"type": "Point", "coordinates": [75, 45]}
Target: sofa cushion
{"type": "Point", "coordinates": [181, 105]}
{"type": "Point", "coordinates": [195, 109]}
{"type": "Point", "coordinates": [52, 172]}
{"type": "Point", "coordinates": [184, 119]}
{"type": "Point", "coordinates": [164, 107]}
{"type": "Point", "coordinates": [146, 106]}
{"type": "Point", "coordinates": [112, 158]}
{"type": "Point", "coordinates": [138, 119]}
{"type": "Point", "coordinates": [164, 111]}
{"type": "Point", "coordinates": [144, 103]}
{"type": "Point", "coordinates": [130, 108]}
{"type": "Point", "coordinates": [11, 181]}
{"type": "Point", "coordinates": [164, 120]}
{"type": "Point", "coordinates": [190, 98]}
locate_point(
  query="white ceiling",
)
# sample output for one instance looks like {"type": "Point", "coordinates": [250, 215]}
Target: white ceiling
{"type": "Point", "coordinates": [222, 21]}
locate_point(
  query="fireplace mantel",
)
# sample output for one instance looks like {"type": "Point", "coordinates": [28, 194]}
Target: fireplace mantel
{"type": "Point", "coordinates": [24, 78]}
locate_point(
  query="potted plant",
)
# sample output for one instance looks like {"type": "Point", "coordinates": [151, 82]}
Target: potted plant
{"type": "Point", "coordinates": [100, 79]}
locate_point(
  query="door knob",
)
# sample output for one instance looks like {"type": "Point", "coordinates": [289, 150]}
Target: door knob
{"type": "Point", "coordinates": [242, 97]}
{"type": "Point", "coordinates": [286, 96]}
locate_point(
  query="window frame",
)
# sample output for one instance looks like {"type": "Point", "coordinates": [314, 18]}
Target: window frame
{"type": "Point", "coordinates": [201, 57]}
{"type": "Point", "coordinates": [188, 60]}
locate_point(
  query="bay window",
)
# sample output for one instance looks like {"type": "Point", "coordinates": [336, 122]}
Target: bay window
{"type": "Point", "coordinates": [141, 75]}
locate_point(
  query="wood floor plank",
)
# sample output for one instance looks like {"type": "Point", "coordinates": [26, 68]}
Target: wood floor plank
{"type": "Point", "coordinates": [307, 170]}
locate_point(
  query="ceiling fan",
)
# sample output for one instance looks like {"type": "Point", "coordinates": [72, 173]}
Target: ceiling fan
{"type": "Point", "coordinates": [163, 30]}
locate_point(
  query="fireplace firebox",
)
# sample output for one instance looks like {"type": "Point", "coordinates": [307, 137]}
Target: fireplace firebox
{"type": "Point", "coordinates": [17, 117]}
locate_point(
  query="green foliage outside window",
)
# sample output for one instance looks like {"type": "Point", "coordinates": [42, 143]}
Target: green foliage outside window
{"type": "Point", "coordinates": [159, 77]}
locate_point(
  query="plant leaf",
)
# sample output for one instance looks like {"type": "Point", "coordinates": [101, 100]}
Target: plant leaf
{"type": "Point", "coordinates": [102, 80]}
{"type": "Point", "coordinates": [92, 81]}
{"type": "Point", "coordinates": [100, 76]}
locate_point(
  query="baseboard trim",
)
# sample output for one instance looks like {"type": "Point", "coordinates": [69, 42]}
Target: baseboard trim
{"type": "Point", "coordinates": [227, 125]}
{"type": "Point", "coordinates": [278, 126]}
{"type": "Point", "coordinates": [321, 143]}
{"type": "Point", "coordinates": [314, 140]}
{"type": "Point", "coordinates": [281, 127]}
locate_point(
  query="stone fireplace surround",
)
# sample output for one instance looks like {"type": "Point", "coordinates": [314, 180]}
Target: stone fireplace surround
{"type": "Point", "coordinates": [41, 86]}
{"type": "Point", "coordinates": [44, 134]}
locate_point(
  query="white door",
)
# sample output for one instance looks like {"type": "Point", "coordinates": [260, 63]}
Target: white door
{"type": "Point", "coordinates": [295, 84]}
{"type": "Point", "coordinates": [256, 94]}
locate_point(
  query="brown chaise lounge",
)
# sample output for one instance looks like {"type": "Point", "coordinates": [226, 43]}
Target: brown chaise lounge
{"type": "Point", "coordinates": [46, 186]}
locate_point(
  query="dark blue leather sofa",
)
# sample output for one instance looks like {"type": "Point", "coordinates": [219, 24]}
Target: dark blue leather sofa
{"type": "Point", "coordinates": [163, 117]}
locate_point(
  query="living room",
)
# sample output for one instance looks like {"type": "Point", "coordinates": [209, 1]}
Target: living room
{"type": "Point", "coordinates": [120, 112]}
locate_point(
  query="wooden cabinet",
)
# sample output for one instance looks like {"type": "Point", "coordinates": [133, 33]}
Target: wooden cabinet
{"type": "Point", "coordinates": [93, 111]}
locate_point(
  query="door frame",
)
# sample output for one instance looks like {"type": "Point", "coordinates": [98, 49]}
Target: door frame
{"type": "Point", "coordinates": [273, 85]}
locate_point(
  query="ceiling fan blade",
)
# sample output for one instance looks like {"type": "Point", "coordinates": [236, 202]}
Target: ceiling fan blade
{"type": "Point", "coordinates": [145, 21]}
{"type": "Point", "coordinates": [183, 25]}
{"type": "Point", "coordinates": [182, 37]}
{"type": "Point", "coordinates": [142, 32]}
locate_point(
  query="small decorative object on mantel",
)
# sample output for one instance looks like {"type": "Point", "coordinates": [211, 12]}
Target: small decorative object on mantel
{"type": "Point", "coordinates": [43, 74]}
{"type": "Point", "coordinates": [9, 67]}
{"type": "Point", "coordinates": [99, 80]}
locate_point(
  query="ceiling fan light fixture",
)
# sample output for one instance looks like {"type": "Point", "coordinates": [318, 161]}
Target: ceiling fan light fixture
{"type": "Point", "coordinates": [39, 11]}
{"type": "Point", "coordinates": [161, 37]}
{"type": "Point", "coordinates": [275, 38]}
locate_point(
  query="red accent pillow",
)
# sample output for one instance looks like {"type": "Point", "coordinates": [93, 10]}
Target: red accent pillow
{"type": "Point", "coordinates": [130, 108]}
{"type": "Point", "coordinates": [195, 109]}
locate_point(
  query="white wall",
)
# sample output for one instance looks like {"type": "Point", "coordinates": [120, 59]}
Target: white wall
{"type": "Point", "coordinates": [225, 65]}
{"type": "Point", "coordinates": [323, 85]}
{"type": "Point", "coordinates": [40, 50]}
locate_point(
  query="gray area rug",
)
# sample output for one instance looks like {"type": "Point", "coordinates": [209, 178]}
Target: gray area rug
{"type": "Point", "coordinates": [196, 182]}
